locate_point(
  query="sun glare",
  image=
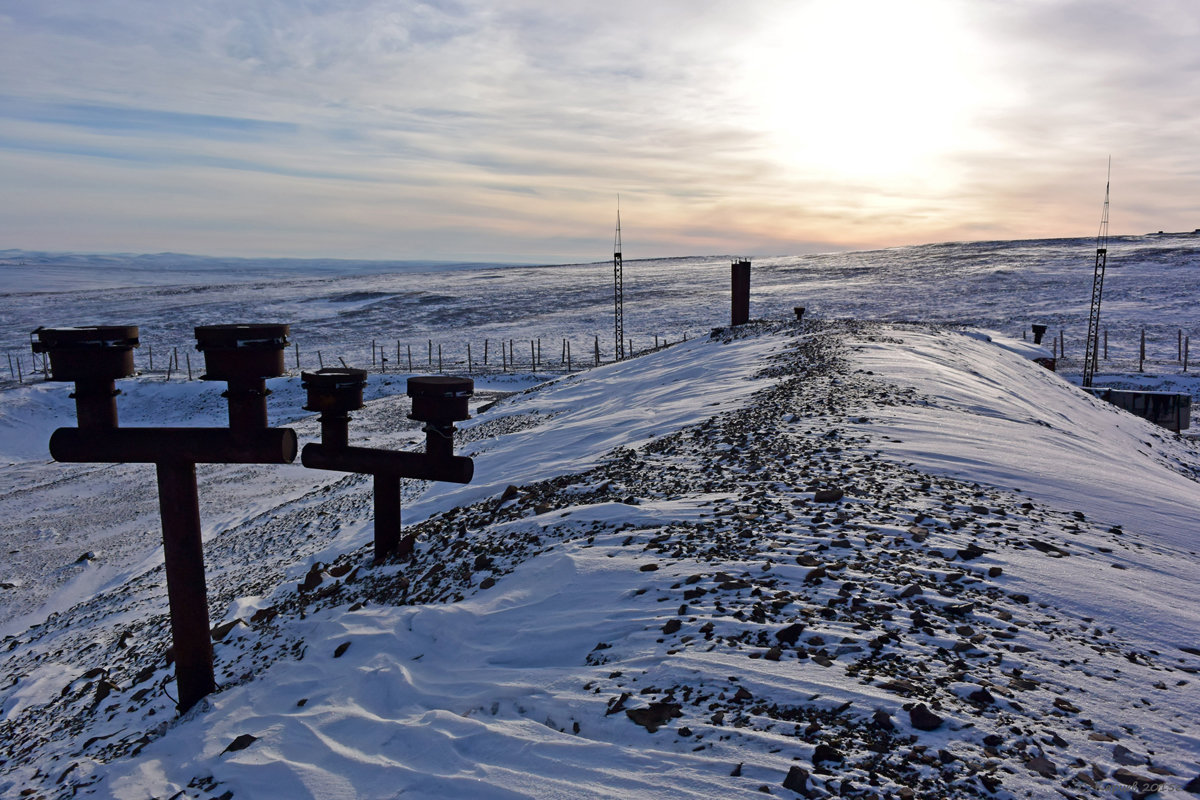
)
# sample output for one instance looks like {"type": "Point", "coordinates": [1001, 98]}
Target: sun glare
{"type": "Point", "coordinates": [864, 90]}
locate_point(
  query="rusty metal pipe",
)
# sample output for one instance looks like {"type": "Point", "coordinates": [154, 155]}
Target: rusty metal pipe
{"type": "Point", "coordinates": [183, 557]}
{"type": "Point", "coordinates": [96, 403]}
{"type": "Point", "coordinates": [247, 398]}
{"type": "Point", "coordinates": [174, 445]}
{"type": "Point", "coordinates": [451, 469]}
{"type": "Point", "coordinates": [387, 514]}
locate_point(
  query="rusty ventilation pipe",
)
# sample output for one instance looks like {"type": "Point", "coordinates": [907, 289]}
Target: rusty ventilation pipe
{"type": "Point", "coordinates": [438, 401]}
{"type": "Point", "coordinates": [243, 356]}
{"type": "Point", "coordinates": [740, 274]}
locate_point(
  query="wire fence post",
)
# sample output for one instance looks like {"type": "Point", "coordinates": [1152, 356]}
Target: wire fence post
{"type": "Point", "coordinates": [150, 355]}
{"type": "Point", "coordinates": [597, 350]}
{"type": "Point", "coordinates": [431, 354]}
{"type": "Point", "coordinates": [320, 361]}
{"type": "Point", "coordinates": [1186, 339]}
{"type": "Point", "coordinates": [1142, 352]}
{"type": "Point", "coordinates": [410, 369]}
{"type": "Point", "coordinates": [485, 349]}
{"type": "Point", "coordinates": [439, 358]}
{"type": "Point", "coordinates": [568, 356]}
{"type": "Point", "coordinates": [188, 358]}
{"type": "Point", "coordinates": [1106, 344]}
{"type": "Point", "coordinates": [372, 352]}
{"type": "Point", "coordinates": [469, 370]}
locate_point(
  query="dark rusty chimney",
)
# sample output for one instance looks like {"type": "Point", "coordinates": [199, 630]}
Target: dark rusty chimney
{"type": "Point", "coordinates": [740, 296]}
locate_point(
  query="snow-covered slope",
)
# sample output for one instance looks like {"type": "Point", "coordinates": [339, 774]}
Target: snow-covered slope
{"type": "Point", "coordinates": [847, 559]}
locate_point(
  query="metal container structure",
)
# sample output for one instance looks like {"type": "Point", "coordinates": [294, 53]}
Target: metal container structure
{"type": "Point", "coordinates": [438, 401]}
{"type": "Point", "coordinates": [243, 356]}
{"type": "Point", "coordinates": [740, 294]}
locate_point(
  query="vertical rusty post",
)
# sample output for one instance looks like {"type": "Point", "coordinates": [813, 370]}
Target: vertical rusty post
{"type": "Point", "coordinates": [187, 595]}
{"type": "Point", "coordinates": [1142, 352]}
{"type": "Point", "coordinates": [740, 295]}
{"type": "Point", "coordinates": [387, 515]}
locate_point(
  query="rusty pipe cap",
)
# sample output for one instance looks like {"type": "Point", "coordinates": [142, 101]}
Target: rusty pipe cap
{"type": "Point", "coordinates": [95, 352]}
{"type": "Point", "coordinates": [233, 352]}
{"type": "Point", "coordinates": [440, 399]}
{"type": "Point", "coordinates": [335, 389]}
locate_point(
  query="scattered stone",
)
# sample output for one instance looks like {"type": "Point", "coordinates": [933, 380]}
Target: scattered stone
{"type": "Point", "coordinates": [797, 781]}
{"type": "Point", "coordinates": [923, 719]}
{"type": "Point", "coordinates": [341, 649]}
{"type": "Point", "coordinates": [1042, 766]}
{"type": "Point", "coordinates": [982, 697]}
{"type": "Point", "coordinates": [651, 567]}
{"type": "Point", "coordinates": [655, 715]}
{"type": "Point", "coordinates": [828, 495]}
{"type": "Point", "coordinates": [672, 626]}
{"type": "Point", "coordinates": [240, 743]}
{"type": "Point", "coordinates": [1126, 757]}
{"type": "Point", "coordinates": [824, 753]}
{"type": "Point", "coordinates": [790, 634]}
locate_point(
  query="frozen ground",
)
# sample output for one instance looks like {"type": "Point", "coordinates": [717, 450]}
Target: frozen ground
{"type": "Point", "coordinates": [995, 598]}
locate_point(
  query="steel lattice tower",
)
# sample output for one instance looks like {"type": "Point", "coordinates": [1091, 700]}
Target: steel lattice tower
{"type": "Point", "coordinates": [618, 292]}
{"type": "Point", "coordinates": [1093, 336]}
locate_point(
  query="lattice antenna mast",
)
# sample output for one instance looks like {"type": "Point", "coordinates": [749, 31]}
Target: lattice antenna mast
{"type": "Point", "coordinates": [618, 291]}
{"type": "Point", "coordinates": [1093, 337]}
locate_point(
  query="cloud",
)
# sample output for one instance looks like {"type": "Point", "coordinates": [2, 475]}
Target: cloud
{"type": "Point", "coordinates": [361, 127]}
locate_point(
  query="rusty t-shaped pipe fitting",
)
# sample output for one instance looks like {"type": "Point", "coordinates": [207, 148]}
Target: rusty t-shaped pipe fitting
{"type": "Point", "coordinates": [438, 401]}
{"type": "Point", "coordinates": [242, 355]}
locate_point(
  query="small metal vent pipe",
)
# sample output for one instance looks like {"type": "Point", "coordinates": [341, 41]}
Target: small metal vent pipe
{"type": "Point", "coordinates": [1038, 332]}
{"type": "Point", "coordinates": [241, 355]}
{"type": "Point", "coordinates": [438, 401]}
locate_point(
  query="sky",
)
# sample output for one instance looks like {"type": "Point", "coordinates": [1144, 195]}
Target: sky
{"type": "Point", "coordinates": [506, 130]}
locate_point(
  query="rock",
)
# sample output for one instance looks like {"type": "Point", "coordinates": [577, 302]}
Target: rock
{"type": "Point", "coordinates": [923, 719]}
{"type": "Point", "coordinates": [824, 753]}
{"type": "Point", "coordinates": [995, 572]}
{"type": "Point", "coordinates": [341, 649]}
{"type": "Point", "coordinates": [1193, 786]}
{"type": "Point", "coordinates": [655, 715]}
{"type": "Point", "coordinates": [910, 590]}
{"type": "Point", "coordinates": [313, 579]}
{"type": "Point", "coordinates": [1063, 704]}
{"type": "Point", "coordinates": [882, 720]}
{"type": "Point", "coordinates": [1139, 782]}
{"type": "Point", "coordinates": [982, 697]}
{"type": "Point", "coordinates": [797, 781]}
{"type": "Point", "coordinates": [672, 626]}
{"type": "Point", "coordinates": [1126, 757]}
{"type": "Point", "coordinates": [790, 634]}
{"type": "Point", "coordinates": [971, 551]}
{"type": "Point", "coordinates": [828, 495]}
{"type": "Point", "coordinates": [648, 567]}
{"type": "Point", "coordinates": [222, 630]}
{"type": "Point", "coordinates": [510, 493]}
{"type": "Point", "coordinates": [1042, 766]}
{"type": "Point", "coordinates": [240, 743]}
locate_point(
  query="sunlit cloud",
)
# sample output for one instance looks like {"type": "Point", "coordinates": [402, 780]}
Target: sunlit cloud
{"type": "Point", "coordinates": [505, 131]}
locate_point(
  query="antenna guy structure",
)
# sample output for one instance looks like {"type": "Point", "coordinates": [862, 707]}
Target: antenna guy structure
{"type": "Point", "coordinates": [1093, 335]}
{"type": "Point", "coordinates": [618, 291]}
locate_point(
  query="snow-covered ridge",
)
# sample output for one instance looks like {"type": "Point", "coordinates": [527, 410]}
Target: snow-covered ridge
{"type": "Point", "coordinates": [840, 560]}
